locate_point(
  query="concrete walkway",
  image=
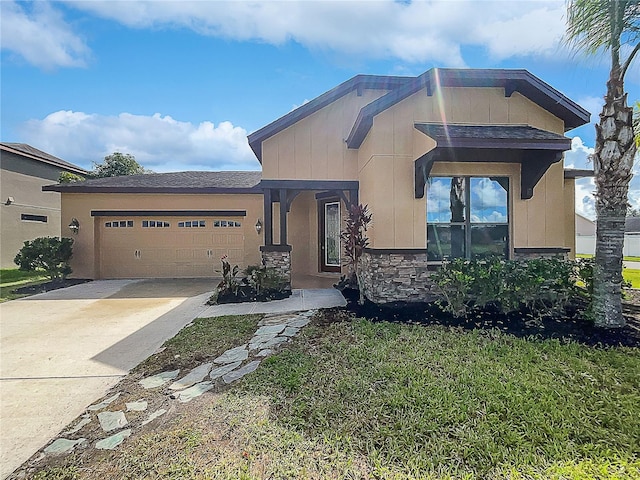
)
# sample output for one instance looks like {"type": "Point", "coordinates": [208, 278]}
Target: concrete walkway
{"type": "Point", "coordinates": [63, 350]}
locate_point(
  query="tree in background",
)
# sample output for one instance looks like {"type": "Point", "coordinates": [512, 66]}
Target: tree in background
{"type": "Point", "coordinates": [117, 164]}
{"type": "Point", "coordinates": [68, 177]}
{"type": "Point", "coordinates": [595, 26]}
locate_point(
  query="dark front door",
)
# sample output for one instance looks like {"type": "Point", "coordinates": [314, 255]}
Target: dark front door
{"type": "Point", "coordinates": [329, 230]}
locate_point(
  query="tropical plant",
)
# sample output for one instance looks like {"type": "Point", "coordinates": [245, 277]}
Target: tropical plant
{"type": "Point", "coordinates": [595, 26]}
{"type": "Point", "coordinates": [262, 278]}
{"type": "Point", "coordinates": [229, 282]}
{"type": "Point", "coordinates": [117, 164]}
{"type": "Point", "coordinates": [50, 254]}
{"type": "Point", "coordinates": [355, 240]}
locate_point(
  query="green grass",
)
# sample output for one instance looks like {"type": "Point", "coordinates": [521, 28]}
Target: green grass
{"type": "Point", "coordinates": [628, 259]}
{"type": "Point", "coordinates": [204, 338]}
{"type": "Point", "coordinates": [632, 276]}
{"type": "Point", "coordinates": [12, 278]}
{"type": "Point", "coordinates": [432, 401]}
{"type": "Point", "coordinates": [378, 400]}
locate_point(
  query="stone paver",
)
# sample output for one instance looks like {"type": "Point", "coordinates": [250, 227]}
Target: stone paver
{"type": "Point", "coordinates": [271, 329]}
{"type": "Point", "coordinates": [241, 372]}
{"type": "Point", "coordinates": [84, 420]}
{"type": "Point", "coordinates": [290, 331]}
{"type": "Point", "coordinates": [104, 403]}
{"type": "Point", "coordinates": [158, 380]}
{"type": "Point", "coordinates": [192, 392]}
{"type": "Point", "coordinates": [112, 420]}
{"type": "Point", "coordinates": [63, 445]}
{"type": "Point", "coordinates": [113, 441]}
{"type": "Point", "coordinates": [232, 355]}
{"type": "Point", "coordinates": [139, 406]}
{"type": "Point", "coordinates": [153, 416]}
{"type": "Point", "coordinates": [194, 376]}
{"type": "Point", "coordinates": [220, 371]}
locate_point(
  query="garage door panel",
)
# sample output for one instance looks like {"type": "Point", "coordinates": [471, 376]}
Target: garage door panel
{"type": "Point", "coordinates": [168, 251]}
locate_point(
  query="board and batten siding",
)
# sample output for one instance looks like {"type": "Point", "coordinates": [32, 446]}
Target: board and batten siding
{"type": "Point", "coordinates": [386, 166]}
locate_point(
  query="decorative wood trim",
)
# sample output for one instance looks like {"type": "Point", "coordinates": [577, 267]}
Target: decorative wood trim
{"type": "Point", "coordinates": [549, 250]}
{"type": "Point", "coordinates": [578, 173]}
{"type": "Point", "coordinates": [310, 184]}
{"type": "Point", "coordinates": [70, 188]}
{"type": "Point", "coordinates": [275, 248]}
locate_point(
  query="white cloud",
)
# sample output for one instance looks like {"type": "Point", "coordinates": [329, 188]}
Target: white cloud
{"type": "Point", "coordinates": [487, 194]}
{"type": "Point", "coordinates": [578, 156]}
{"type": "Point", "coordinates": [158, 142]}
{"type": "Point", "coordinates": [418, 31]}
{"type": "Point", "coordinates": [38, 33]}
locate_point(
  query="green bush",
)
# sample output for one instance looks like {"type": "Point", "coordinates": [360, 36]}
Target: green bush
{"type": "Point", "coordinates": [543, 286]}
{"type": "Point", "coordinates": [261, 278]}
{"type": "Point", "coordinates": [50, 254]}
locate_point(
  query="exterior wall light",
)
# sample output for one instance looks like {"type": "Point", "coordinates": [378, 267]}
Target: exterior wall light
{"type": "Point", "coordinates": [74, 226]}
{"type": "Point", "coordinates": [9, 201]}
{"type": "Point", "coordinates": [258, 226]}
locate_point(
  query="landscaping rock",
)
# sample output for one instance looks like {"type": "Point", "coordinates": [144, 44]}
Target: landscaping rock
{"type": "Point", "coordinates": [220, 371]}
{"type": "Point", "coordinates": [290, 332]}
{"type": "Point", "coordinates": [272, 343]}
{"type": "Point", "coordinates": [241, 372]}
{"type": "Point", "coordinates": [264, 353]}
{"type": "Point", "coordinates": [62, 445]}
{"type": "Point", "coordinates": [233, 355]}
{"type": "Point", "coordinates": [274, 320]}
{"type": "Point", "coordinates": [85, 419]}
{"type": "Point", "coordinates": [104, 403]}
{"type": "Point", "coordinates": [270, 329]}
{"type": "Point", "coordinates": [299, 322]}
{"type": "Point", "coordinates": [158, 380]}
{"type": "Point", "coordinates": [194, 376]}
{"type": "Point", "coordinates": [154, 415]}
{"type": "Point", "coordinates": [139, 406]}
{"type": "Point", "coordinates": [190, 393]}
{"type": "Point", "coordinates": [113, 441]}
{"type": "Point", "coordinates": [112, 420]}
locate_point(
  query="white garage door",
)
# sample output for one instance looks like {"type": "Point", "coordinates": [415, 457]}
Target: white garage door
{"type": "Point", "coordinates": [169, 247]}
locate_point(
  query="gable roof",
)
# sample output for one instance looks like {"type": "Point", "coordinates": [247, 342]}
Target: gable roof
{"type": "Point", "coordinates": [632, 225]}
{"type": "Point", "coordinates": [530, 86]}
{"type": "Point", "coordinates": [358, 83]}
{"type": "Point", "coordinates": [175, 182]}
{"type": "Point", "coordinates": [28, 151]}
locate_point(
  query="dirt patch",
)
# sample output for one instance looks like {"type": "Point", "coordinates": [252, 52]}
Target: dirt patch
{"type": "Point", "coordinates": [48, 286]}
{"type": "Point", "coordinates": [567, 327]}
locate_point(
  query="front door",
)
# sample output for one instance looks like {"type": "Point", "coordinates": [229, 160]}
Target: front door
{"type": "Point", "coordinates": [329, 228]}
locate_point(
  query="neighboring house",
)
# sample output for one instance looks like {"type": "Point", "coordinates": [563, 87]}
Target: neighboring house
{"type": "Point", "coordinates": [454, 162]}
{"type": "Point", "coordinates": [584, 226]}
{"type": "Point", "coordinates": [26, 211]}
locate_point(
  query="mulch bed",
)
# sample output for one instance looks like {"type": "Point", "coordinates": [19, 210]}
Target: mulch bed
{"type": "Point", "coordinates": [519, 324]}
{"type": "Point", "coordinates": [48, 286]}
{"type": "Point", "coordinates": [246, 293]}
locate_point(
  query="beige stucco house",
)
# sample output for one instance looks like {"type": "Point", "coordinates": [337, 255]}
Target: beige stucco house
{"type": "Point", "coordinates": [454, 162]}
{"type": "Point", "coordinates": [26, 212]}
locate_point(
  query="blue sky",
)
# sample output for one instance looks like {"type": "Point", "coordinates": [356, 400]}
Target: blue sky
{"type": "Point", "coordinates": [180, 84]}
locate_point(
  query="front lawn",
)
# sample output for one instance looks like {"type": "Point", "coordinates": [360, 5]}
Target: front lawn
{"type": "Point", "coordinates": [362, 399]}
{"type": "Point", "coordinates": [12, 278]}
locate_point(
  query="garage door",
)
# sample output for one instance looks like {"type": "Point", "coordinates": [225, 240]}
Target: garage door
{"type": "Point", "coordinates": [171, 247]}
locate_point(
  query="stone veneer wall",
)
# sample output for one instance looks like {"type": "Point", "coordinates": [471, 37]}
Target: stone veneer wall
{"type": "Point", "coordinates": [401, 276]}
{"type": "Point", "coordinates": [531, 253]}
{"type": "Point", "coordinates": [278, 259]}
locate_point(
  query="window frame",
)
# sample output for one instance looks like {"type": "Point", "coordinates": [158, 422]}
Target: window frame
{"type": "Point", "coordinates": [468, 224]}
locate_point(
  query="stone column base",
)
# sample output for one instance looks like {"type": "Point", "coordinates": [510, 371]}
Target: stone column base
{"type": "Point", "coordinates": [278, 257]}
{"type": "Point", "coordinates": [528, 253]}
{"type": "Point", "coordinates": [396, 276]}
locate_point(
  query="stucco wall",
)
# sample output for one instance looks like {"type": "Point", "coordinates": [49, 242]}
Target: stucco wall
{"type": "Point", "coordinates": [23, 179]}
{"type": "Point", "coordinates": [86, 260]}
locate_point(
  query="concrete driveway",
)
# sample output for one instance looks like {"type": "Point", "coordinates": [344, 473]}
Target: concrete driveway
{"type": "Point", "coordinates": [62, 350]}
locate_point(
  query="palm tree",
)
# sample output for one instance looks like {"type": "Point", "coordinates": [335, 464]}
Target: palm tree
{"type": "Point", "coordinates": [609, 25]}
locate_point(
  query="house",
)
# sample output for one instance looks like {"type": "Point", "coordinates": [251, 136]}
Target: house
{"type": "Point", "coordinates": [26, 211]}
{"type": "Point", "coordinates": [584, 226]}
{"type": "Point", "coordinates": [453, 162]}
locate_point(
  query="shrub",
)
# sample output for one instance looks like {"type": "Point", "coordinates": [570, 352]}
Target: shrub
{"type": "Point", "coordinates": [50, 254]}
{"type": "Point", "coordinates": [261, 278]}
{"type": "Point", "coordinates": [542, 286]}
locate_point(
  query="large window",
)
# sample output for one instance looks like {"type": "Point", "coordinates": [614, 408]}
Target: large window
{"type": "Point", "coordinates": [467, 217]}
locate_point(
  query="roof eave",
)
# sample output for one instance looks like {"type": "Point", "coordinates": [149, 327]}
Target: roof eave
{"type": "Point", "coordinates": [160, 190]}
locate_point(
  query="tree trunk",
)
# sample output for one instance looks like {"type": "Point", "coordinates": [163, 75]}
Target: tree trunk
{"type": "Point", "coordinates": [613, 161]}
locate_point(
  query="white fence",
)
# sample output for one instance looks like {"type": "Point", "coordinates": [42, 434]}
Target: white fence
{"type": "Point", "coordinates": [587, 244]}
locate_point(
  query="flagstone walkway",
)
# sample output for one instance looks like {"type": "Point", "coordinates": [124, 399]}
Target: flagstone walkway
{"type": "Point", "coordinates": [273, 330]}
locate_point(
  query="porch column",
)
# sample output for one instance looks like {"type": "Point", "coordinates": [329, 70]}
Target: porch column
{"type": "Point", "coordinates": [283, 216]}
{"type": "Point", "coordinates": [268, 217]}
